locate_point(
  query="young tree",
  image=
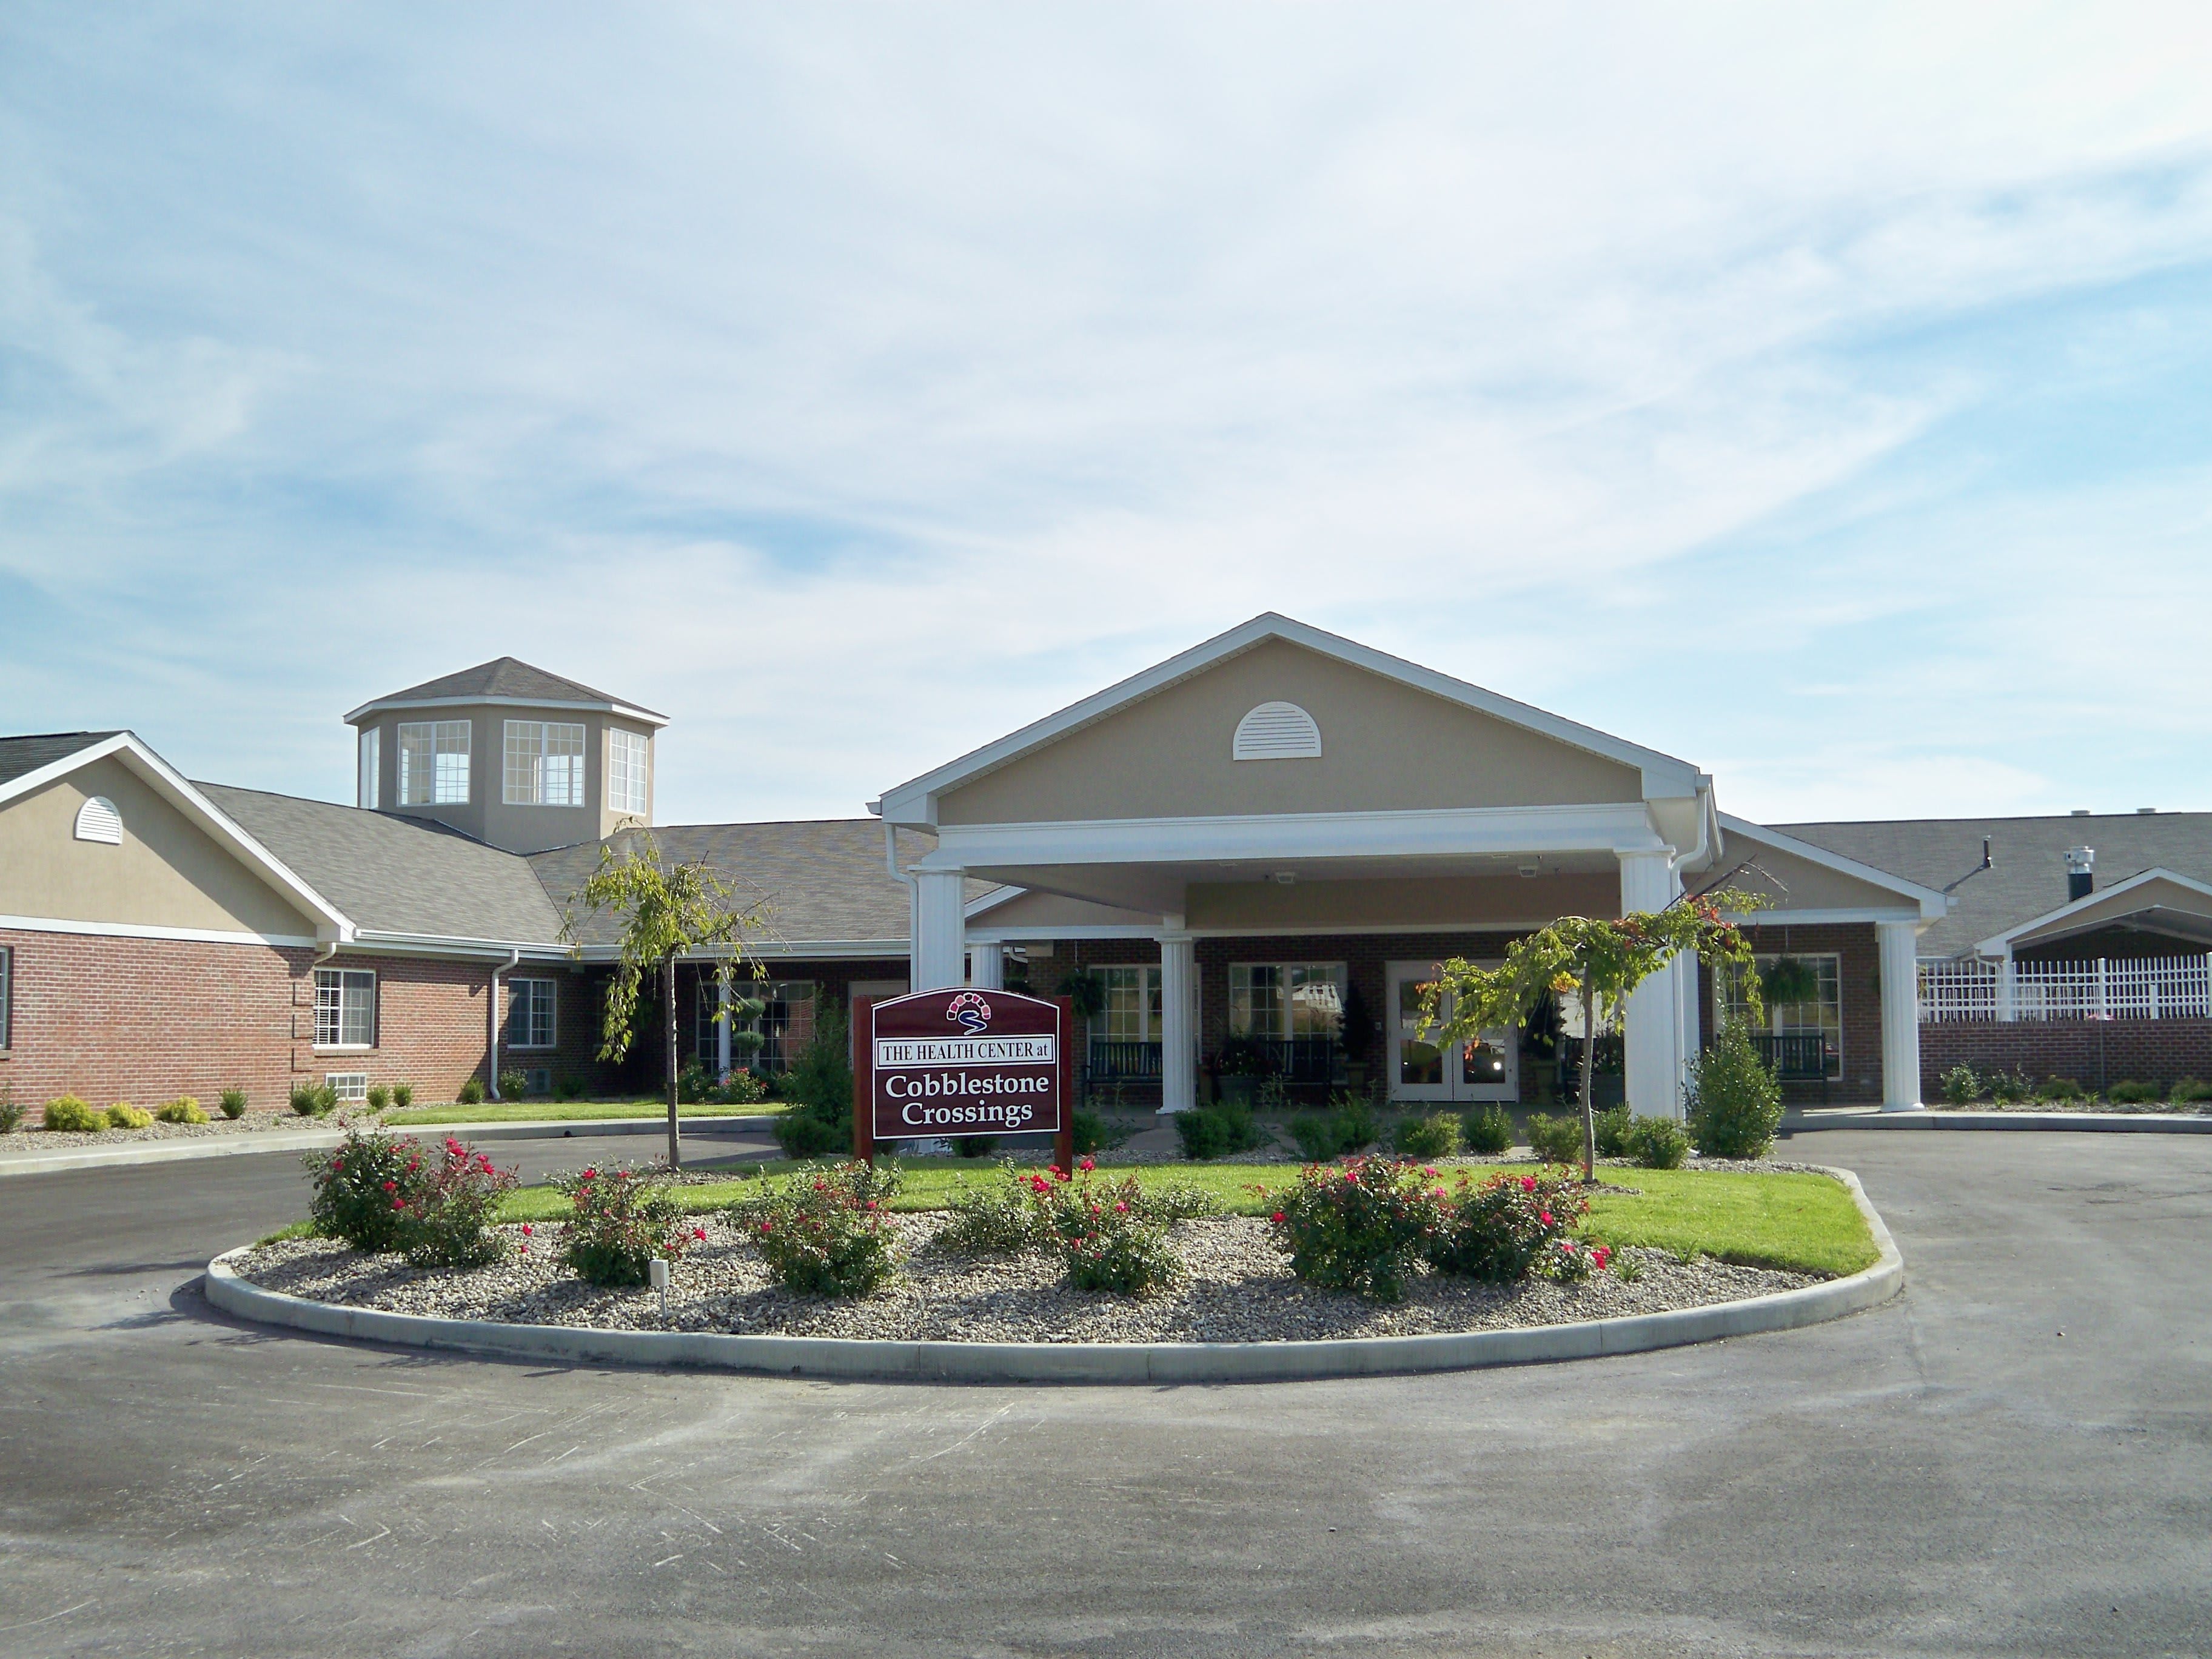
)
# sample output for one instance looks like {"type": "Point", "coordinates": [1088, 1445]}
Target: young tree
{"type": "Point", "coordinates": [1603, 959]}
{"type": "Point", "coordinates": [666, 911]}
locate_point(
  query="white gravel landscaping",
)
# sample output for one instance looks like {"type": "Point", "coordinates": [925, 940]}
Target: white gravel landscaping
{"type": "Point", "coordinates": [1239, 1288]}
{"type": "Point", "coordinates": [32, 1139]}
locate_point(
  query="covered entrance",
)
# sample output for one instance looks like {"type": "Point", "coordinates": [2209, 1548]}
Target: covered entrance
{"type": "Point", "coordinates": [1420, 1070]}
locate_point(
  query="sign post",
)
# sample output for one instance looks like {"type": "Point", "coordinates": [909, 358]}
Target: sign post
{"type": "Point", "coordinates": [964, 1062]}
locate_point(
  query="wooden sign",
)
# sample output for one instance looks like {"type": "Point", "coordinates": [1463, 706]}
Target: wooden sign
{"type": "Point", "coordinates": [964, 1061]}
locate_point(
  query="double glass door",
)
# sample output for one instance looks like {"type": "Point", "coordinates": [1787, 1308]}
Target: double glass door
{"type": "Point", "coordinates": [1421, 1068]}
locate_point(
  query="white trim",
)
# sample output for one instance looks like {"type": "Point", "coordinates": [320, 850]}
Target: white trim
{"type": "Point", "coordinates": [1934, 905]}
{"type": "Point", "coordinates": [138, 930]}
{"type": "Point", "coordinates": [914, 802]}
{"type": "Point", "coordinates": [37, 778]}
{"type": "Point", "coordinates": [369, 942]}
{"type": "Point", "coordinates": [1995, 943]}
{"type": "Point", "coordinates": [384, 705]}
{"type": "Point", "coordinates": [991, 900]}
{"type": "Point", "coordinates": [1619, 827]}
{"type": "Point", "coordinates": [1150, 929]}
{"type": "Point", "coordinates": [1815, 918]}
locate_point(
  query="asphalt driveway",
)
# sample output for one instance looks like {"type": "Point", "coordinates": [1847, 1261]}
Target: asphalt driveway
{"type": "Point", "coordinates": [2014, 1457]}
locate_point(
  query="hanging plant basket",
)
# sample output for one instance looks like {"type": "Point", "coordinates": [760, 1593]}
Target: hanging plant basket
{"type": "Point", "coordinates": [1789, 980]}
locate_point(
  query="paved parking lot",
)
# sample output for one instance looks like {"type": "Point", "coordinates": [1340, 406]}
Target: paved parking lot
{"type": "Point", "coordinates": [2014, 1457]}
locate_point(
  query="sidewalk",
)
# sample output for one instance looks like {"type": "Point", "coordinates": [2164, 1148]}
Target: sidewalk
{"type": "Point", "coordinates": [1873, 1117]}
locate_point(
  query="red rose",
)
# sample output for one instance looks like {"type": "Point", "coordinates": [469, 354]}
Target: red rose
{"type": "Point", "coordinates": [1279, 1215]}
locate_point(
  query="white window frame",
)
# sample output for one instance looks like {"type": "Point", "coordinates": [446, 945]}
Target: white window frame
{"type": "Point", "coordinates": [339, 981]}
{"type": "Point", "coordinates": [441, 784]}
{"type": "Point", "coordinates": [370, 782]}
{"type": "Point", "coordinates": [542, 764]}
{"type": "Point", "coordinates": [1788, 1019]}
{"type": "Point", "coordinates": [7, 997]}
{"type": "Point", "coordinates": [350, 1088]}
{"type": "Point", "coordinates": [626, 769]}
{"type": "Point", "coordinates": [1288, 987]}
{"type": "Point", "coordinates": [1111, 1025]}
{"type": "Point", "coordinates": [782, 997]}
{"type": "Point", "coordinates": [534, 1006]}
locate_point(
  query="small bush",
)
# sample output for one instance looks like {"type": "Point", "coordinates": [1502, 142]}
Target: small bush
{"type": "Point", "coordinates": [803, 1133]}
{"type": "Point", "coordinates": [470, 1093]}
{"type": "Point", "coordinates": [2188, 1089]}
{"type": "Point", "coordinates": [403, 1095]}
{"type": "Point", "coordinates": [1613, 1126]}
{"type": "Point", "coordinates": [1555, 1139]}
{"type": "Point", "coordinates": [1434, 1136]}
{"type": "Point", "coordinates": [233, 1103]}
{"type": "Point", "coordinates": [513, 1085]}
{"type": "Point", "coordinates": [1487, 1131]}
{"type": "Point", "coordinates": [11, 1114]}
{"type": "Point", "coordinates": [183, 1110]}
{"type": "Point", "coordinates": [974, 1146]}
{"type": "Point", "coordinates": [363, 1188]}
{"type": "Point", "coordinates": [828, 1232]}
{"type": "Point", "coordinates": [1217, 1131]}
{"type": "Point", "coordinates": [1096, 1134]}
{"type": "Point", "coordinates": [996, 1220]}
{"type": "Point", "coordinates": [1109, 1234]}
{"type": "Point", "coordinates": [379, 1096]}
{"type": "Point", "coordinates": [314, 1099]}
{"type": "Point", "coordinates": [450, 1208]}
{"type": "Point", "coordinates": [1657, 1143]}
{"type": "Point", "coordinates": [2128, 1093]}
{"type": "Point", "coordinates": [1318, 1135]}
{"type": "Point", "coordinates": [1961, 1086]}
{"type": "Point", "coordinates": [1355, 1121]}
{"type": "Point", "coordinates": [2009, 1088]}
{"type": "Point", "coordinates": [743, 1089]}
{"type": "Point", "coordinates": [569, 1086]}
{"type": "Point", "coordinates": [66, 1113]}
{"type": "Point", "coordinates": [693, 1084]}
{"type": "Point", "coordinates": [123, 1115]}
{"type": "Point", "coordinates": [617, 1222]}
{"type": "Point", "coordinates": [1734, 1102]}
{"type": "Point", "coordinates": [2059, 1088]}
{"type": "Point", "coordinates": [1358, 1226]}
{"type": "Point", "coordinates": [1510, 1226]}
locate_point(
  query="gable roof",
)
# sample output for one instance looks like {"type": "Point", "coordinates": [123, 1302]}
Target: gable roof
{"type": "Point", "coordinates": [504, 680]}
{"type": "Point", "coordinates": [1931, 903]}
{"type": "Point", "coordinates": [2095, 909]}
{"type": "Point", "coordinates": [21, 756]}
{"type": "Point", "coordinates": [914, 802]}
{"type": "Point", "coordinates": [2026, 876]}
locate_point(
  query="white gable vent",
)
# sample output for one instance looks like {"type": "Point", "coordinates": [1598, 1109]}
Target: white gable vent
{"type": "Point", "coordinates": [1278, 731]}
{"type": "Point", "coordinates": [98, 820]}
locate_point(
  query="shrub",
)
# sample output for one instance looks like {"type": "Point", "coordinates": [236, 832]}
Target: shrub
{"type": "Point", "coordinates": [692, 1083]}
{"type": "Point", "coordinates": [2059, 1088]}
{"type": "Point", "coordinates": [1487, 1131]}
{"type": "Point", "coordinates": [995, 1220]}
{"type": "Point", "coordinates": [1555, 1139]}
{"type": "Point", "coordinates": [1510, 1226]}
{"type": "Point", "coordinates": [743, 1089]}
{"type": "Point", "coordinates": [2190, 1089]}
{"type": "Point", "coordinates": [1355, 1121]}
{"type": "Point", "coordinates": [11, 1114]}
{"type": "Point", "coordinates": [819, 1085]}
{"type": "Point", "coordinates": [183, 1110]}
{"type": "Point", "coordinates": [1217, 1131]}
{"type": "Point", "coordinates": [233, 1103]}
{"type": "Point", "coordinates": [123, 1115]}
{"type": "Point", "coordinates": [617, 1223]}
{"type": "Point", "coordinates": [974, 1146]}
{"type": "Point", "coordinates": [450, 1207]}
{"type": "Point", "coordinates": [569, 1086]}
{"type": "Point", "coordinates": [1095, 1134]}
{"type": "Point", "coordinates": [403, 1095]}
{"type": "Point", "coordinates": [314, 1099]}
{"type": "Point", "coordinates": [470, 1093]}
{"type": "Point", "coordinates": [513, 1085]}
{"type": "Point", "coordinates": [1657, 1143]}
{"type": "Point", "coordinates": [2009, 1087]}
{"type": "Point", "coordinates": [802, 1134]}
{"type": "Point", "coordinates": [828, 1232]}
{"type": "Point", "coordinates": [1434, 1136]}
{"type": "Point", "coordinates": [1734, 1102]}
{"type": "Point", "coordinates": [1358, 1226]}
{"type": "Point", "coordinates": [67, 1113]}
{"type": "Point", "coordinates": [2128, 1093]}
{"type": "Point", "coordinates": [1961, 1086]}
{"type": "Point", "coordinates": [1612, 1125]}
{"type": "Point", "coordinates": [1318, 1135]}
{"type": "Point", "coordinates": [363, 1188]}
{"type": "Point", "coordinates": [1110, 1235]}
{"type": "Point", "coordinates": [379, 1096]}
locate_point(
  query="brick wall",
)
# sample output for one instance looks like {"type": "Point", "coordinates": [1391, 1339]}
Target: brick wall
{"type": "Point", "coordinates": [2094, 1053]}
{"type": "Point", "coordinates": [1858, 969]}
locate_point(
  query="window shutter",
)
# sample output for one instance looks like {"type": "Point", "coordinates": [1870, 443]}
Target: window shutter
{"type": "Point", "coordinates": [1278, 731]}
{"type": "Point", "coordinates": [98, 820]}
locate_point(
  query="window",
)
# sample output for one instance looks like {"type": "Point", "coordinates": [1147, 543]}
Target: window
{"type": "Point", "coordinates": [98, 820]}
{"type": "Point", "coordinates": [530, 1023]}
{"type": "Point", "coordinates": [1286, 1000]}
{"type": "Point", "coordinates": [433, 762]}
{"type": "Point", "coordinates": [372, 745]}
{"type": "Point", "coordinates": [1822, 1016]}
{"type": "Point", "coordinates": [784, 1027]}
{"type": "Point", "coordinates": [348, 1086]}
{"type": "Point", "coordinates": [544, 763]}
{"type": "Point", "coordinates": [1132, 1010]}
{"type": "Point", "coordinates": [7, 993]}
{"type": "Point", "coordinates": [1276, 730]}
{"type": "Point", "coordinates": [625, 772]}
{"type": "Point", "coordinates": [345, 1008]}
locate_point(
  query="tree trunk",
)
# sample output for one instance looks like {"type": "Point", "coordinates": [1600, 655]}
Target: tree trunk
{"type": "Point", "coordinates": [668, 985]}
{"type": "Point", "coordinates": [1589, 1097]}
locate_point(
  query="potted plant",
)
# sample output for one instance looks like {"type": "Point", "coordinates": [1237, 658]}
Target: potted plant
{"type": "Point", "coordinates": [1789, 980]}
{"type": "Point", "coordinates": [1244, 1061]}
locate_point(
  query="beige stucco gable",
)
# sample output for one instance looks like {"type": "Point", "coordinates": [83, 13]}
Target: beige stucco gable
{"type": "Point", "coordinates": [167, 873]}
{"type": "Point", "coordinates": [2157, 892]}
{"type": "Point", "coordinates": [1795, 882]}
{"type": "Point", "coordinates": [1385, 747]}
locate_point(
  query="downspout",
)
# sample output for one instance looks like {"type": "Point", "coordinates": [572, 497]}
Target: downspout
{"type": "Point", "coordinates": [514, 961]}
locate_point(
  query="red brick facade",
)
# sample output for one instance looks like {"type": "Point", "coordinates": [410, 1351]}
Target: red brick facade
{"type": "Point", "coordinates": [2094, 1053]}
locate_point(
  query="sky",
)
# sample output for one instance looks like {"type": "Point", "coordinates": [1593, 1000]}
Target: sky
{"type": "Point", "coordinates": [1820, 394]}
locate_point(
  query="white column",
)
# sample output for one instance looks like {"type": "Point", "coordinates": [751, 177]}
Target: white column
{"type": "Point", "coordinates": [491, 1036]}
{"type": "Point", "coordinates": [1900, 1016]}
{"type": "Point", "coordinates": [1178, 1031]}
{"type": "Point", "coordinates": [986, 967]}
{"type": "Point", "coordinates": [938, 958]}
{"type": "Point", "coordinates": [1655, 1058]}
{"type": "Point", "coordinates": [722, 1028]}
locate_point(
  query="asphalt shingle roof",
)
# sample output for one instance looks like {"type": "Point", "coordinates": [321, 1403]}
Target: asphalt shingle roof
{"type": "Point", "coordinates": [504, 676]}
{"type": "Point", "coordinates": [2027, 872]}
{"type": "Point", "coordinates": [20, 756]}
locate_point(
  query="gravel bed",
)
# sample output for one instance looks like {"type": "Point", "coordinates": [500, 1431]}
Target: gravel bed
{"type": "Point", "coordinates": [1239, 1288]}
{"type": "Point", "coordinates": [2153, 1108]}
{"type": "Point", "coordinates": [32, 1139]}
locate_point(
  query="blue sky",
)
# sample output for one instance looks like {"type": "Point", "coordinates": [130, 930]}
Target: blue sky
{"type": "Point", "coordinates": [1822, 394]}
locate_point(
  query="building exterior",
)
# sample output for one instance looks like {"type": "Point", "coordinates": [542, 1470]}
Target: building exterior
{"type": "Point", "coordinates": [1254, 853]}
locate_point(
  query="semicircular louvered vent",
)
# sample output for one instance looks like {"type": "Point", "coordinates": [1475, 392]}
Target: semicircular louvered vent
{"type": "Point", "coordinates": [98, 820]}
{"type": "Point", "coordinates": [1277, 731]}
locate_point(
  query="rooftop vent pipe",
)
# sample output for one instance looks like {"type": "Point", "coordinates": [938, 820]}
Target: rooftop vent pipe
{"type": "Point", "coordinates": [2080, 872]}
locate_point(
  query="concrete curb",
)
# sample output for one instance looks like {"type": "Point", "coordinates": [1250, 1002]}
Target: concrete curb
{"type": "Point", "coordinates": [2124, 1123]}
{"type": "Point", "coordinates": [852, 1359]}
{"type": "Point", "coordinates": [306, 1140]}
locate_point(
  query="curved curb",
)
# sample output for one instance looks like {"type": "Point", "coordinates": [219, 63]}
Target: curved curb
{"type": "Point", "coordinates": [855, 1359]}
{"type": "Point", "coordinates": [2079, 1123]}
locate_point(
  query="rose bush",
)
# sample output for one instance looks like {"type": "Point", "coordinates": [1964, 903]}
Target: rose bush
{"type": "Point", "coordinates": [1508, 1226]}
{"type": "Point", "coordinates": [363, 1188]}
{"type": "Point", "coordinates": [450, 1206]}
{"type": "Point", "coordinates": [617, 1222]}
{"type": "Point", "coordinates": [828, 1232]}
{"type": "Point", "coordinates": [1358, 1226]}
{"type": "Point", "coordinates": [1110, 1234]}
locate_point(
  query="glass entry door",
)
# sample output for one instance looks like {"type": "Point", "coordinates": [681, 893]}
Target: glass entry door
{"type": "Point", "coordinates": [1423, 1069]}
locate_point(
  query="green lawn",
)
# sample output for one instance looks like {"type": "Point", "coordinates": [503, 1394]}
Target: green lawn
{"type": "Point", "coordinates": [561, 1111]}
{"type": "Point", "coordinates": [1789, 1219]}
